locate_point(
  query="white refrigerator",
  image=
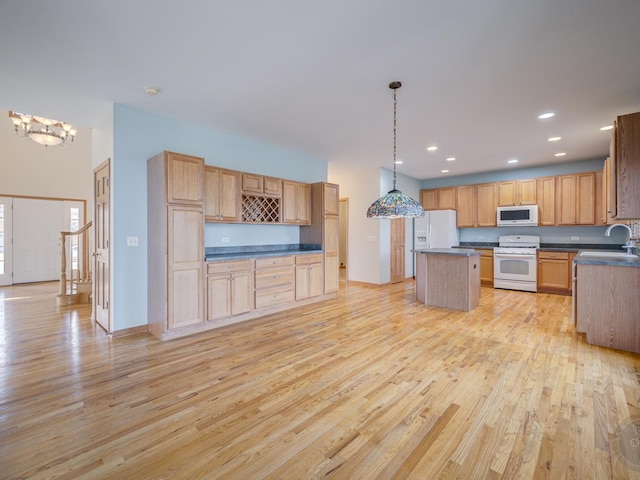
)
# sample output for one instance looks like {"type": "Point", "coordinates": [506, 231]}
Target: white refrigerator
{"type": "Point", "coordinates": [437, 229]}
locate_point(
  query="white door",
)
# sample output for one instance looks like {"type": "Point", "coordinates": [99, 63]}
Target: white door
{"type": "Point", "coordinates": [36, 239]}
{"type": "Point", "coordinates": [102, 234]}
{"type": "Point", "coordinates": [6, 254]}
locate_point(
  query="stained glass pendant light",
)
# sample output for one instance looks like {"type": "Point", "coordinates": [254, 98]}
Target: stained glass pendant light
{"type": "Point", "coordinates": [395, 204]}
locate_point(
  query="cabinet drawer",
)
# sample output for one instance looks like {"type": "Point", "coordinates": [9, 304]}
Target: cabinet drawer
{"type": "Point", "coordinates": [224, 267]}
{"type": "Point", "coordinates": [484, 252]}
{"type": "Point", "coordinates": [274, 261]}
{"type": "Point", "coordinates": [307, 259]}
{"type": "Point", "coordinates": [554, 255]}
{"type": "Point", "coordinates": [273, 277]}
{"type": "Point", "coordinates": [267, 298]}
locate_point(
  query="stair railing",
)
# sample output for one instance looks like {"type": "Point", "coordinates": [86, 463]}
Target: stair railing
{"type": "Point", "coordinates": [84, 266]}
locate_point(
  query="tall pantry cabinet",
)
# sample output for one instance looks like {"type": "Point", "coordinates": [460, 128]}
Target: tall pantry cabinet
{"type": "Point", "coordinates": [175, 231]}
{"type": "Point", "coordinates": [324, 230]}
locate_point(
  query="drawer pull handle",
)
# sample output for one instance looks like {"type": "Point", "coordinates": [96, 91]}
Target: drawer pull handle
{"type": "Point", "coordinates": [276, 276]}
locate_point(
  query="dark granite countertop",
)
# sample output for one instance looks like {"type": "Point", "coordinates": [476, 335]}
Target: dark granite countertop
{"type": "Point", "coordinates": [622, 261]}
{"type": "Point", "coordinates": [464, 252]}
{"type": "Point", "coordinates": [215, 254]}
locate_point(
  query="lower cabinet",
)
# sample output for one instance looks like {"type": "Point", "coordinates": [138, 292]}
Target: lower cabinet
{"type": "Point", "coordinates": [274, 281]}
{"type": "Point", "coordinates": [309, 276]}
{"type": "Point", "coordinates": [229, 289]}
{"type": "Point", "coordinates": [486, 266]}
{"type": "Point", "coordinates": [554, 272]}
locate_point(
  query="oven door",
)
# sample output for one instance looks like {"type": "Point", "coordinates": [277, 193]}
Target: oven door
{"type": "Point", "coordinates": [514, 269]}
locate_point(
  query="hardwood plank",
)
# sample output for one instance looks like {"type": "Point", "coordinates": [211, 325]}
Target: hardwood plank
{"type": "Point", "coordinates": [370, 384]}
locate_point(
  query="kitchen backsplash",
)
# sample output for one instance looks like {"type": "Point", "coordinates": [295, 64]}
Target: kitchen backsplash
{"type": "Point", "coordinates": [236, 234]}
{"type": "Point", "coordinates": [577, 235]}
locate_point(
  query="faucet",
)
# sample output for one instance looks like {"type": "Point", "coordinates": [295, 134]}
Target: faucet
{"type": "Point", "coordinates": [630, 245]}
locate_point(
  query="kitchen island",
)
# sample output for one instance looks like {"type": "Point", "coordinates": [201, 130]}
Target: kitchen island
{"type": "Point", "coordinates": [606, 301]}
{"type": "Point", "coordinates": [448, 277]}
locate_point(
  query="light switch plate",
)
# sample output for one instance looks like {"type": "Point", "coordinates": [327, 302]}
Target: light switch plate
{"type": "Point", "coordinates": [132, 241]}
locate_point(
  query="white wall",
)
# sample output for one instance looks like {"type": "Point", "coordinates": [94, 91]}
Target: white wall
{"type": "Point", "coordinates": [369, 239]}
{"type": "Point", "coordinates": [30, 169]}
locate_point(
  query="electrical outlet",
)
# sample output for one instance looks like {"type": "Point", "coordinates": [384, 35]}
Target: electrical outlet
{"type": "Point", "coordinates": [285, 238]}
{"type": "Point", "coordinates": [132, 241]}
{"type": "Point", "coordinates": [371, 238]}
{"type": "Point", "coordinates": [575, 238]}
{"type": "Point", "coordinates": [225, 239]}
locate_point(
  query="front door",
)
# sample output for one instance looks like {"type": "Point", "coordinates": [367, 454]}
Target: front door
{"type": "Point", "coordinates": [397, 250]}
{"type": "Point", "coordinates": [102, 229]}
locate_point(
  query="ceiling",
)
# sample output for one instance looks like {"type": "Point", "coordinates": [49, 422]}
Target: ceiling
{"type": "Point", "coordinates": [313, 75]}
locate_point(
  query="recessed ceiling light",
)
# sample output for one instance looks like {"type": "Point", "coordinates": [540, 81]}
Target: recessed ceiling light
{"type": "Point", "coordinates": [554, 139]}
{"type": "Point", "coordinates": [546, 115]}
{"type": "Point", "coordinates": [451, 159]}
{"type": "Point", "coordinates": [513, 160]}
{"type": "Point", "coordinates": [560, 154]}
{"type": "Point", "coordinates": [444, 171]}
{"type": "Point", "coordinates": [398, 162]}
{"type": "Point", "coordinates": [607, 127]}
{"type": "Point", "coordinates": [153, 91]}
{"type": "Point", "coordinates": [433, 148]}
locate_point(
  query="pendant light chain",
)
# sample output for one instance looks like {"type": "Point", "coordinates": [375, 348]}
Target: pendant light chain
{"type": "Point", "coordinates": [395, 107]}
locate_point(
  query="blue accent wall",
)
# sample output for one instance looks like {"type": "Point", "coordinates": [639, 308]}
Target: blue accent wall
{"type": "Point", "coordinates": [516, 174]}
{"type": "Point", "coordinates": [137, 136]}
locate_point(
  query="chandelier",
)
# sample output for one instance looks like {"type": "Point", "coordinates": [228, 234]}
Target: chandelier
{"type": "Point", "coordinates": [42, 130]}
{"type": "Point", "coordinates": [395, 204]}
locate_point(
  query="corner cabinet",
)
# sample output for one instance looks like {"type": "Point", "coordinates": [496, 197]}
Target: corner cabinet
{"type": "Point", "coordinates": [175, 232]}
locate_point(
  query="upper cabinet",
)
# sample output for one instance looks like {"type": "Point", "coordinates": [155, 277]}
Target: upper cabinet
{"type": "Point", "coordinates": [330, 199]}
{"type": "Point", "coordinates": [517, 192]}
{"type": "Point", "coordinates": [438, 198]}
{"type": "Point", "coordinates": [546, 199]}
{"type": "Point", "coordinates": [260, 184]}
{"type": "Point", "coordinates": [184, 179]}
{"type": "Point", "coordinates": [625, 168]}
{"type": "Point", "coordinates": [576, 199]}
{"type": "Point", "coordinates": [477, 205]}
{"type": "Point", "coordinates": [222, 196]}
{"type": "Point", "coordinates": [296, 203]}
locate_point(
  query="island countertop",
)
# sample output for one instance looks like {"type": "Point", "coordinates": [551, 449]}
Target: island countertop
{"type": "Point", "coordinates": [591, 258]}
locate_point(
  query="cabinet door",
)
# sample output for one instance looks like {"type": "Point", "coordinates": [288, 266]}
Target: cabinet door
{"type": "Point", "coordinates": [429, 199]}
{"type": "Point", "coordinates": [184, 179]}
{"type": "Point", "coordinates": [211, 194]}
{"type": "Point", "coordinates": [331, 259]}
{"type": "Point", "coordinates": [302, 282]}
{"type": "Point", "coordinates": [546, 200]}
{"type": "Point", "coordinates": [566, 196]}
{"type": "Point", "coordinates": [241, 292]}
{"type": "Point", "coordinates": [553, 273]}
{"type": "Point", "coordinates": [507, 193]}
{"type": "Point", "coordinates": [466, 201]}
{"type": "Point", "coordinates": [612, 195]}
{"type": "Point", "coordinates": [303, 204]}
{"type": "Point", "coordinates": [486, 266]}
{"type": "Point", "coordinates": [527, 194]}
{"type": "Point", "coordinates": [447, 198]}
{"type": "Point", "coordinates": [218, 297]}
{"type": "Point", "coordinates": [486, 205]}
{"type": "Point", "coordinates": [331, 199]}
{"type": "Point", "coordinates": [229, 196]}
{"type": "Point", "coordinates": [316, 279]}
{"type": "Point", "coordinates": [627, 166]}
{"type": "Point", "coordinates": [252, 183]}
{"type": "Point", "coordinates": [586, 199]}
{"type": "Point", "coordinates": [289, 202]}
{"type": "Point", "coordinates": [185, 266]}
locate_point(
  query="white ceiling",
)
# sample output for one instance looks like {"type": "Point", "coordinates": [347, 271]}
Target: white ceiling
{"type": "Point", "coordinates": [312, 75]}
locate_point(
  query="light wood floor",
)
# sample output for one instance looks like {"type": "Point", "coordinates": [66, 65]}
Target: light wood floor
{"type": "Point", "coordinates": [369, 386]}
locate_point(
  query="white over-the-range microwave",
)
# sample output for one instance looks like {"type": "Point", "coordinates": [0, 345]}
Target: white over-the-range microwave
{"type": "Point", "coordinates": [520, 216]}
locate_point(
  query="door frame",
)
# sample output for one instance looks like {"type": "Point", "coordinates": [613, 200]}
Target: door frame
{"type": "Point", "coordinates": [343, 230]}
{"type": "Point", "coordinates": [95, 277]}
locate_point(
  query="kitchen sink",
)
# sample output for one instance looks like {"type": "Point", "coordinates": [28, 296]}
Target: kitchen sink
{"type": "Point", "coordinates": [604, 253]}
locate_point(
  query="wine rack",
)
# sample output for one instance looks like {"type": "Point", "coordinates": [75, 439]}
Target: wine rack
{"type": "Point", "coordinates": [259, 209]}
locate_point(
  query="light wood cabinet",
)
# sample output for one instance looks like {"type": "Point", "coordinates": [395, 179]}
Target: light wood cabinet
{"type": "Point", "coordinates": [184, 179]}
{"type": "Point", "coordinates": [625, 167]}
{"type": "Point", "coordinates": [274, 281]}
{"type": "Point", "coordinates": [486, 204]}
{"type": "Point", "coordinates": [486, 266]}
{"type": "Point", "coordinates": [254, 183]}
{"type": "Point", "coordinates": [546, 198]}
{"type": "Point", "coordinates": [175, 231]}
{"type": "Point", "coordinates": [575, 199]}
{"type": "Point", "coordinates": [324, 231]}
{"type": "Point", "coordinates": [517, 192]}
{"type": "Point", "coordinates": [466, 201]}
{"type": "Point", "coordinates": [608, 186]}
{"type": "Point", "coordinates": [438, 198]}
{"type": "Point", "coordinates": [296, 203]}
{"type": "Point", "coordinates": [476, 205]}
{"type": "Point", "coordinates": [554, 272]}
{"type": "Point", "coordinates": [229, 289]}
{"type": "Point", "coordinates": [222, 195]}
{"type": "Point", "coordinates": [309, 276]}
{"type": "Point", "coordinates": [600, 200]}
